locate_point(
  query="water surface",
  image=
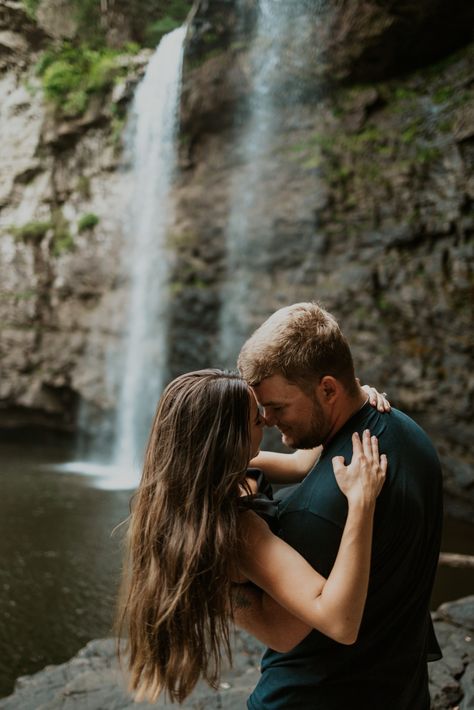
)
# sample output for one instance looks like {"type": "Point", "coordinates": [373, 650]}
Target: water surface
{"type": "Point", "coordinates": [60, 565]}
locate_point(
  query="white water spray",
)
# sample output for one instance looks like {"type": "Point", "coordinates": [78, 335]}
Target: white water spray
{"type": "Point", "coordinates": [280, 51]}
{"type": "Point", "coordinates": [152, 151]}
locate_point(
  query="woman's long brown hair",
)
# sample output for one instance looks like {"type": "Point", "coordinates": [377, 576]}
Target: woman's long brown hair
{"type": "Point", "coordinates": [183, 536]}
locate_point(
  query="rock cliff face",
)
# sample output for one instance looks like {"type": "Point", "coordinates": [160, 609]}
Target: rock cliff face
{"type": "Point", "coordinates": [60, 229]}
{"type": "Point", "coordinates": [364, 202]}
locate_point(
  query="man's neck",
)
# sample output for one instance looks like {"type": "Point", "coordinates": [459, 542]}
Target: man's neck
{"type": "Point", "coordinates": [348, 407]}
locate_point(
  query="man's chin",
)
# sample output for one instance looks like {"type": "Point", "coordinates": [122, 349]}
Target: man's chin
{"type": "Point", "coordinates": [288, 441]}
{"type": "Point", "coordinates": [304, 443]}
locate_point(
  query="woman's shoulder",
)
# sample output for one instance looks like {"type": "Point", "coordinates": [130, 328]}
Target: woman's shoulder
{"type": "Point", "coordinates": [253, 530]}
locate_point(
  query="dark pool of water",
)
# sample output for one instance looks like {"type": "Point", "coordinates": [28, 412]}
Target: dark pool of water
{"type": "Point", "coordinates": [60, 565]}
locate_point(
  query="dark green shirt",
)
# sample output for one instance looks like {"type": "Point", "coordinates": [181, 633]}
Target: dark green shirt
{"type": "Point", "coordinates": [386, 667]}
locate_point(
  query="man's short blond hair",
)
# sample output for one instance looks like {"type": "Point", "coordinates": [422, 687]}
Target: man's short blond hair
{"type": "Point", "coordinates": [302, 342]}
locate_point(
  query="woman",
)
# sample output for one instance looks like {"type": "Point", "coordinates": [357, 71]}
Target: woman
{"type": "Point", "coordinates": [190, 538]}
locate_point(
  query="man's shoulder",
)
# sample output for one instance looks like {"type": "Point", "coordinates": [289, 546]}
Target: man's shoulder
{"type": "Point", "coordinates": [402, 427]}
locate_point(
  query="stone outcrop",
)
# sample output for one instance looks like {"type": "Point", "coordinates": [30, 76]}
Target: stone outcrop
{"type": "Point", "coordinates": [92, 681]}
{"type": "Point", "coordinates": [53, 270]}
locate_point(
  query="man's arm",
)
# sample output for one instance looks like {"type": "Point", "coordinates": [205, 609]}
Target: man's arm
{"type": "Point", "coordinates": [262, 617]}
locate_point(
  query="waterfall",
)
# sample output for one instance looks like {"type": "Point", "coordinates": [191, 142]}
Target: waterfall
{"type": "Point", "coordinates": [152, 147]}
{"type": "Point", "coordinates": [281, 49]}
{"type": "Point", "coordinates": [138, 371]}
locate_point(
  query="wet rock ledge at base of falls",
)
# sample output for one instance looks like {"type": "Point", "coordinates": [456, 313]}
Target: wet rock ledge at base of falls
{"type": "Point", "coordinates": [91, 680]}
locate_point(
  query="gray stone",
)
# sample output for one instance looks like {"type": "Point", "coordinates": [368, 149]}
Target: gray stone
{"type": "Point", "coordinates": [92, 680]}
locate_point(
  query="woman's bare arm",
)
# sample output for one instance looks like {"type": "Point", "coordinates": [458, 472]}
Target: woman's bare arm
{"type": "Point", "coordinates": [333, 606]}
{"type": "Point", "coordinates": [286, 468]}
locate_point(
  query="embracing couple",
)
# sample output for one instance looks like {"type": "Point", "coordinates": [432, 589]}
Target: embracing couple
{"type": "Point", "coordinates": [334, 577]}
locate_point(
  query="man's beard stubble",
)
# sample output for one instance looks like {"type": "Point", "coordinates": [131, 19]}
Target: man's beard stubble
{"type": "Point", "coordinates": [316, 433]}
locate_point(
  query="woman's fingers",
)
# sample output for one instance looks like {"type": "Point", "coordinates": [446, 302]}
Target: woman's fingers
{"type": "Point", "coordinates": [384, 405]}
{"type": "Point", "coordinates": [338, 465]}
{"type": "Point", "coordinates": [367, 445]}
{"type": "Point", "coordinates": [377, 399]}
{"type": "Point", "coordinates": [356, 444]}
{"type": "Point", "coordinates": [374, 443]}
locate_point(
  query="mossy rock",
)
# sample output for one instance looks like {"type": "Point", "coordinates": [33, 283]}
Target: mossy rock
{"type": "Point", "coordinates": [87, 221]}
{"type": "Point", "coordinates": [32, 232]}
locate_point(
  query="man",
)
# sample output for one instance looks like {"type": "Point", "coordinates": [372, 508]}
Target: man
{"type": "Point", "coordinates": [300, 367]}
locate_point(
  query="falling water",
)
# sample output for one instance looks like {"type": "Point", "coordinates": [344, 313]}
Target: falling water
{"type": "Point", "coordinates": [153, 151]}
{"type": "Point", "coordinates": [277, 61]}
{"type": "Point", "coordinates": [140, 370]}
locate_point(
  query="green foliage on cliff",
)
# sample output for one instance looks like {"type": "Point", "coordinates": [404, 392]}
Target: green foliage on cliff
{"type": "Point", "coordinates": [31, 232]}
{"type": "Point", "coordinates": [62, 241]}
{"type": "Point", "coordinates": [175, 14]}
{"type": "Point", "coordinates": [72, 75]}
{"type": "Point", "coordinates": [87, 221]}
{"type": "Point", "coordinates": [31, 7]}
{"type": "Point", "coordinates": [34, 232]}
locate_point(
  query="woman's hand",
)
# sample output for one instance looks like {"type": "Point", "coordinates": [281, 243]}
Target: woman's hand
{"type": "Point", "coordinates": [377, 399]}
{"type": "Point", "coordinates": [362, 480]}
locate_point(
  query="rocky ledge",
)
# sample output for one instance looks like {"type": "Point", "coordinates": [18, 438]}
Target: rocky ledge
{"type": "Point", "coordinates": [91, 680]}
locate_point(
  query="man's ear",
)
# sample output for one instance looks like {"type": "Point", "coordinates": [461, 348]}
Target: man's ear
{"type": "Point", "coordinates": [329, 388]}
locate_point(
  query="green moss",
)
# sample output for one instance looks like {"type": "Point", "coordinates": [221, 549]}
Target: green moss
{"type": "Point", "coordinates": [181, 239]}
{"type": "Point", "coordinates": [174, 15]}
{"type": "Point", "coordinates": [442, 95]}
{"type": "Point", "coordinates": [176, 287]}
{"type": "Point", "coordinates": [31, 231]}
{"type": "Point", "coordinates": [463, 97]}
{"type": "Point", "coordinates": [84, 187]}
{"type": "Point", "coordinates": [412, 131]}
{"type": "Point", "coordinates": [403, 93]}
{"type": "Point", "coordinates": [87, 221]}
{"type": "Point", "coordinates": [312, 163]}
{"type": "Point", "coordinates": [382, 303]}
{"type": "Point", "coordinates": [427, 153]}
{"type": "Point", "coordinates": [88, 17]}
{"type": "Point", "coordinates": [62, 241]}
{"type": "Point", "coordinates": [117, 127]}
{"type": "Point", "coordinates": [72, 75]}
{"type": "Point", "coordinates": [26, 295]}
{"type": "Point", "coordinates": [31, 7]}
{"type": "Point", "coordinates": [445, 126]}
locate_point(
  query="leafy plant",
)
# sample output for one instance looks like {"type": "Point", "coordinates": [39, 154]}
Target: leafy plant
{"type": "Point", "coordinates": [72, 75]}
{"type": "Point", "coordinates": [87, 221]}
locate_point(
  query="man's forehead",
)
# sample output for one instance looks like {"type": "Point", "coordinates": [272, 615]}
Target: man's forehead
{"type": "Point", "coordinates": [275, 390]}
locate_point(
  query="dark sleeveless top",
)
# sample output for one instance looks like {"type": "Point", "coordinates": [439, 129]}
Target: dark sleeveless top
{"type": "Point", "coordinates": [262, 501]}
